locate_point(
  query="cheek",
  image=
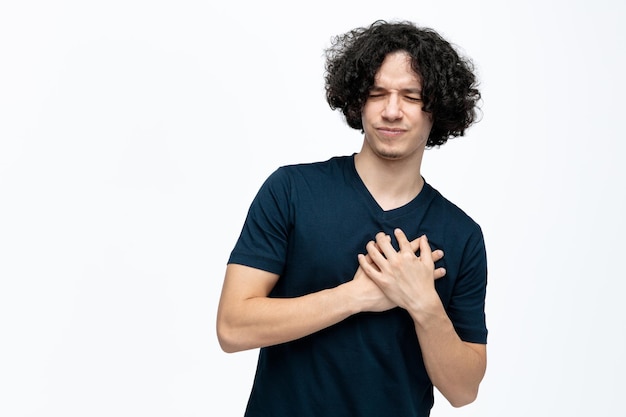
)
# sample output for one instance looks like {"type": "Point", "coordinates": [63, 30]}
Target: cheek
{"type": "Point", "coordinates": [429, 118]}
{"type": "Point", "coordinates": [368, 113]}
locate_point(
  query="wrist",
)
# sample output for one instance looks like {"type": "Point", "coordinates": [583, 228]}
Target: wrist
{"type": "Point", "coordinates": [427, 310]}
{"type": "Point", "coordinates": [348, 299]}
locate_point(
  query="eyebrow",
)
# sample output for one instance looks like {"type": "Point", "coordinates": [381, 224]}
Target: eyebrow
{"type": "Point", "coordinates": [402, 90]}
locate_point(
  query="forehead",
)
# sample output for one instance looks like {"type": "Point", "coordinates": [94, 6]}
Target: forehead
{"type": "Point", "coordinates": [396, 69]}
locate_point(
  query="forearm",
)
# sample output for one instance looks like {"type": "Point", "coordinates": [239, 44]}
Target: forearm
{"type": "Point", "coordinates": [455, 367]}
{"type": "Point", "coordinates": [263, 321]}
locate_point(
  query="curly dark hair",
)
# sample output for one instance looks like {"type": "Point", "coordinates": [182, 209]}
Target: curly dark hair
{"type": "Point", "coordinates": [449, 86]}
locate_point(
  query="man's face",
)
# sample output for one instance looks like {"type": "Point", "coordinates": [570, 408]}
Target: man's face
{"type": "Point", "coordinates": [393, 121]}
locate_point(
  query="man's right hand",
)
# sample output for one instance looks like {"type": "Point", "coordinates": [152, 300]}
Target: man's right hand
{"type": "Point", "coordinates": [371, 297]}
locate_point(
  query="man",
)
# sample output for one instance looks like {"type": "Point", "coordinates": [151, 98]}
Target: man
{"type": "Point", "coordinates": [339, 273]}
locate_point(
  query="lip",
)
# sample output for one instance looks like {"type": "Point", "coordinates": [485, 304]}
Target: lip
{"type": "Point", "coordinates": [390, 131]}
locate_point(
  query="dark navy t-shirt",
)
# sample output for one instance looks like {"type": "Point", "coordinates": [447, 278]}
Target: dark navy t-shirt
{"type": "Point", "coordinates": [307, 224]}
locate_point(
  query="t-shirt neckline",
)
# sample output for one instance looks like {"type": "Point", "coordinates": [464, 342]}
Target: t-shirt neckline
{"type": "Point", "coordinates": [420, 199]}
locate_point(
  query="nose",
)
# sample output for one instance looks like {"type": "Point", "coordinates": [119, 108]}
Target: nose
{"type": "Point", "coordinates": [392, 110]}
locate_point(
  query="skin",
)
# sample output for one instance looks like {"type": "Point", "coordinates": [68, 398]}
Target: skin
{"type": "Point", "coordinates": [455, 367]}
{"type": "Point", "coordinates": [247, 318]}
{"type": "Point", "coordinates": [395, 134]}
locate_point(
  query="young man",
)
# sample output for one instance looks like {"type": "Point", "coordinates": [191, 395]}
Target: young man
{"type": "Point", "coordinates": [339, 273]}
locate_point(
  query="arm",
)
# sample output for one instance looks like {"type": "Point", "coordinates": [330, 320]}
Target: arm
{"type": "Point", "coordinates": [455, 367]}
{"type": "Point", "coordinates": [248, 318]}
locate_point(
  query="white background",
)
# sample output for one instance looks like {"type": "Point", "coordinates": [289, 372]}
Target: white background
{"type": "Point", "coordinates": [134, 134]}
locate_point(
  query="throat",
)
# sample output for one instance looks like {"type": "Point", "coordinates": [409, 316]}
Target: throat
{"type": "Point", "coordinates": [392, 184]}
{"type": "Point", "coordinates": [389, 199]}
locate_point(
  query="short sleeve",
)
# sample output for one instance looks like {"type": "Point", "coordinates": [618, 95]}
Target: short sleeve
{"type": "Point", "coordinates": [467, 305]}
{"type": "Point", "coordinates": [263, 241]}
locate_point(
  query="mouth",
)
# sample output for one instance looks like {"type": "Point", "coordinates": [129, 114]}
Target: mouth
{"type": "Point", "coordinates": [390, 132]}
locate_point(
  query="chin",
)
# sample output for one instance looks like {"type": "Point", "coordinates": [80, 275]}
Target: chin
{"type": "Point", "coordinates": [390, 155]}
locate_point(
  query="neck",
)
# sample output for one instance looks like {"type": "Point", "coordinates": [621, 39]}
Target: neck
{"type": "Point", "coordinates": [392, 183]}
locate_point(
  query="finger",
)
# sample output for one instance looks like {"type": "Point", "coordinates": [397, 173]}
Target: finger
{"type": "Point", "coordinates": [403, 242]}
{"type": "Point", "coordinates": [439, 273]}
{"type": "Point", "coordinates": [367, 265]}
{"type": "Point", "coordinates": [383, 242]}
{"type": "Point", "coordinates": [364, 262]}
{"type": "Point", "coordinates": [415, 245]}
{"type": "Point", "coordinates": [425, 252]}
{"type": "Point", "coordinates": [374, 253]}
{"type": "Point", "coordinates": [437, 255]}
{"type": "Point", "coordinates": [387, 237]}
{"type": "Point", "coordinates": [368, 258]}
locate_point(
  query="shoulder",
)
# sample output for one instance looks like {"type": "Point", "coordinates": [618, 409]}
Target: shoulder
{"type": "Point", "coordinates": [449, 213]}
{"type": "Point", "coordinates": [313, 168]}
{"type": "Point", "coordinates": [287, 181]}
{"type": "Point", "coordinates": [308, 173]}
